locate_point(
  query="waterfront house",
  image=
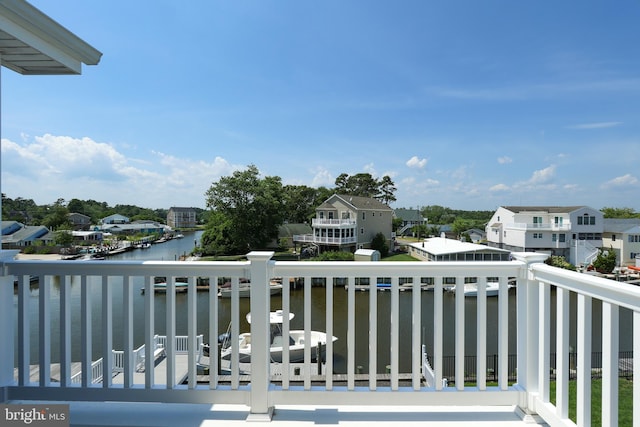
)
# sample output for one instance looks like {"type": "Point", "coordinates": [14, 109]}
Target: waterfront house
{"type": "Point", "coordinates": [623, 236]}
{"type": "Point", "coordinates": [574, 232]}
{"type": "Point", "coordinates": [18, 235]}
{"type": "Point", "coordinates": [79, 221]}
{"type": "Point", "coordinates": [178, 218]}
{"type": "Point", "coordinates": [410, 218]}
{"type": "Point", "coordinates": [136, 227]}
{"type": "Point", "coordinates": [125, 386]}
{"type": "Point", "coordinates": [348, 223]}
{"type": "Point", "coordinates": [115, 219]}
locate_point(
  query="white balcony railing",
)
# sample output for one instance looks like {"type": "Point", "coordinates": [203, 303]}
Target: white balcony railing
{"type": "Point", "coordinates": [77, 304]}
{"type": "Point", "coordinates": [324, 240]}
{"type": "Point", "coordinates": [537, 226]}
{"type": "Point", "coordinates": [333, 222]}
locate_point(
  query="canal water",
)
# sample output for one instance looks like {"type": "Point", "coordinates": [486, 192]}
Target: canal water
{"type": "Point", "coordinates": [173, 249]}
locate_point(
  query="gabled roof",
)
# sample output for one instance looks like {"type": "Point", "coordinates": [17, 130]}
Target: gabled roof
{"type": "Point", "coordinates": [33, 43]}
{"type": "Point", "coordinates": [550, 209]}
{"type": "Point", "coordinates": [408, 214]}
{"type": "Point", "coordinates": [362, 203]}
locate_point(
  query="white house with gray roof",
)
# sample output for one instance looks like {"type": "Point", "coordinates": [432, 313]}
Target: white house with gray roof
{"type": "Point", "coordinates": [574, 232]}
{"type": "Point", "coordinates": [623, 236]}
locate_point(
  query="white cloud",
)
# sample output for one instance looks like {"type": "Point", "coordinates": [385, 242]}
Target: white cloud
{"type": "Point", "coordinates": [415, 162]}
{"type": "Point", "coordinates": [499, 187]}
{"type": "Point", "coordinates": [597, 125]}
{"type": "Point", "coordinates": [621, 181]}
{"type": "Point", "coordinates": [322, 178]}
{"type": "Point", "coordinates": [52, 167]}
{"type": "Point", "coordinates": [542, 176]}
{"type": "Point", "coordinates": [504, 160]}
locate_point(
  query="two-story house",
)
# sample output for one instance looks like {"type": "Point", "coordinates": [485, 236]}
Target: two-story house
{"type": "Point", "coordinates": [181, 218]}
{"type": "Point", "coordinates": [574, 232]}
{"type": "Point", "coordinates": [348, 223]}
{"type": "Point", "coordinates": [623, 236]}
{"type": "Point", "coordinates": [410, 218]}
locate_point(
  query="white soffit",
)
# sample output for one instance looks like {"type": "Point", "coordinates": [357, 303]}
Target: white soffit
{"type": "Point", "coordinates": [32, 43]}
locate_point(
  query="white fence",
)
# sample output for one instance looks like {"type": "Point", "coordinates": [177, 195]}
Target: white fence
{"type": "Point", "coordinates": [110, 286]}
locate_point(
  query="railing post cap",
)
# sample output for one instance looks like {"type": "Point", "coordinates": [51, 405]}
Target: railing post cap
{"type": "Point", "coordinates": [260, 255]}
{"type": "Point", "coordinates": [530, 257]}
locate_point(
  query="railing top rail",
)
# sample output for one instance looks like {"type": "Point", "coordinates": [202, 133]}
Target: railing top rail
{"type": "Point", "coordinates": [131, 268]}
{"type": "Point", "coordinates": [621, 294]}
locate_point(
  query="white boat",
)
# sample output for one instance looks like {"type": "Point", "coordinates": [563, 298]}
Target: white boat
{"type": "Point", "coordinates": [296, 342]}
{"type": "Point", "coordinates": [244, 290]}
{"type": "Point", "coordinates": [471, 289]}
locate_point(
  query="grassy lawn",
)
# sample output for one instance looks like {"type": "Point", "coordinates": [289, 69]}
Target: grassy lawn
{"type": "Point", "coordinates": [625, 401]}
{"type": "Point", "coordinates": [400, 257]}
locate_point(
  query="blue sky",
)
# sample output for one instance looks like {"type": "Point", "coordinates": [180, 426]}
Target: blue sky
{"type": "Point", "coordinates": [465, 104]}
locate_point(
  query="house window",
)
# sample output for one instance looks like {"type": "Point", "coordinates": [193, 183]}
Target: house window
{"type": "Point", "coordinates": [330, 215]}
{"type": "Point", "coordinates": [613, 237]}
{"type": "Point", "coordinates": [563, 238]}
{"type": "Point", "coordinates": [363, 215]}
{"type": "Point", "coordinates": [537, 221]}
{"type": "Point", "coordinates": [558, 221]}
{"type": "Point", "coordinates": [362, 231]}
{"type": "Point", "coordinates": [321, 215]}
{"type": "Point", "coordinates": [554, 237]}
{"type": "Point", "coordinates": [537, 235]}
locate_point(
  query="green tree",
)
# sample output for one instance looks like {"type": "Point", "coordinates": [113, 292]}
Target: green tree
{"type": "Point", "coordinates": [387, 190]}
{"type": "Point", "coordinates": [379, 243]}
{"type": "Point", "coordinates": [57, 216]}
{"type": "Point", "coordinates": [299, 203]}
{"type": "Point", "coordinates": [63, 238]}
{"type": "Point", "coordinates": [620, 213]}
{"type": "Point", "coordinates": [249, 210]}
{"type": "Point", "coordinates": [605, 262]}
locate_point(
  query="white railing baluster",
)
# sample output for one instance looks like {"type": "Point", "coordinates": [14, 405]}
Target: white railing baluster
{"type": "Point", "coordinates": [610, 349]}
{"type": "Point", "coordinates": [636, 367]}
{"type": "Point", "coordinates": [329, 332]}
{"type": "Point", "coordinates": [149, 331]}
{"type": "Point", "coordinates": [481, 332]}
{"type": "Point", "coordinates": [438, 316]}
{"type": "Point", "coordinates": [65, 331]}
{"type": "Point", "coordinates": [459, 334]}
{"type": "Point", "coordinates": [416, 328]}
{"type": "Point", "coordinates": [107, 333]}
{"type": "Point", "coordinates": [503, 334]}
{"type": "Point", "coordinates": [373, 332]}
{"type": "Point", "coordinates": [170, 349]}
{"type": "Point", "coordinates": [544, 349]}
{"type": "Point", "coordinates": [127, 327]}
{"type": "Point", "coordinates": [307, 332]}
{"type": "Point", "coordinates": [351, 333]}
{"type": "Point", "coordinates": [583, 406]}
{"type": "Point", "coordinates": [214, 329]}
{"type": "Point", "coordinates": [86, 331]}
{"type": "Point", "coordinates": [45, 331]}
{"type": "Point", "coordinates": [395, 331]}
{"type": "Point", "coordinates": [192, 331]}
{"type": "Point", "coordinates": [562, 353]}
{"type": "Point", "coordinates": [286, 309]}
{"type": "Point", "coordinates": [235, 333]}
{"type": "Point", "coordinates": [24, 332]}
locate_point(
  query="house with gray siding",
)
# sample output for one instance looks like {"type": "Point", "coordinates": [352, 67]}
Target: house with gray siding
{"type": "Point", "coordinates": [348, 223]}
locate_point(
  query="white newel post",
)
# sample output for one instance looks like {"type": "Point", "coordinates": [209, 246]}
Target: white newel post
{"type": "Point", "coordinates": [261, 409]}
{"type": "Point", "coordinates": [7, 326]}
{"type": "Point", "coordinates": [528, 333]}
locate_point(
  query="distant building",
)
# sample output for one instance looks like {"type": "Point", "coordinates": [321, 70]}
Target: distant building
{"type": "Point", "coordinates": [410, 218]}
{"type": "Point", "coordinates": [476, 235]}
{"type": "Point", "coordinates": [181, 218]}
{"type": "Point", "coordinates": [16, 234]}
{"type": "Point", "coordinates": [79, 221]}
{"type": "Point", "coordinates": [623, 236]}
{"type": "Point", "coordinates": [115, 219]}
{"type": "Point", "coordinates": [348, 223]}
{"type": "Point", "coordinates": [136, 227]}
{"type": "Point", "coordinates": [574, 232]}
{"type": "Point", "coordinates": [443, 249]}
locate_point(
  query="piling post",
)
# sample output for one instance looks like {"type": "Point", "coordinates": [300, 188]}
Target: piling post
{"type": "Point", "coordinates": [7, 326]}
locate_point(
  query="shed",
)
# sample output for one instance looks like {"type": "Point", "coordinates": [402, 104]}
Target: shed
{"type": "Point", "coordinates": [366, 255]}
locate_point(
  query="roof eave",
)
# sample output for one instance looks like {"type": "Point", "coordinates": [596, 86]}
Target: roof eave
{"type": "Point", "coordinates": [66, 51]}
